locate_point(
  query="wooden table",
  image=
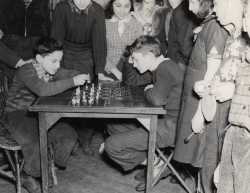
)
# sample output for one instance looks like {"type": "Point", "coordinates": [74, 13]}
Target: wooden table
{"type": "Point", "coordinates": [51, 109]}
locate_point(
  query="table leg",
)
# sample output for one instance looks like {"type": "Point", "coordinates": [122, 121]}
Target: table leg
{"type": "Point", "coordinates": [46, 120]}
{"type": "Point", "coordinates": [43, 151]}
{"type": "Point", "coordinates": [151, 152]}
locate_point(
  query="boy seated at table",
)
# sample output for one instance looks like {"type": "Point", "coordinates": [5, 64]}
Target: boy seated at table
{"type": "Point", "coordinates": [40, 78]}
{"type": "Point", "coordinates": [128, 141]}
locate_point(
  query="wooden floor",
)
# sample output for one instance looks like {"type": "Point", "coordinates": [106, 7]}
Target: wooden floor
{"type": "Point", "coordinates": [93, 174]}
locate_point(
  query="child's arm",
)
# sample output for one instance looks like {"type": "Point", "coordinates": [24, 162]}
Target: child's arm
{"type": "Point", "coordinates": [158, 94]}
{"type": "Point", "coordinates": [63, 73]}
{"type": "Point", "coordinates": [215, 42]}
{"type": "Point", "coordinates": [28, 75]}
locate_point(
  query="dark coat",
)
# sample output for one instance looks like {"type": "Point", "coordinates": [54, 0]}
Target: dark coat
{"type": "Point", "coordinates": [15, 18]}
{"type": "Point", "coordinates": [180, 35]}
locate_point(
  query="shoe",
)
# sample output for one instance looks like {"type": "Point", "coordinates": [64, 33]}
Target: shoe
{"type": "Point", "coordinates": [30, 183]}
{"type": "Point", "coordinates": [74, 151]}
{"type": "Point", "coordinates": [142, 179]}
{"type": "Point", "coordinates": [141, 175]}
{"type": "Point", "coordinates": [174, 180]}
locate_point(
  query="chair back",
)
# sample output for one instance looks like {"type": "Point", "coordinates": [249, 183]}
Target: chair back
{"type": "Point", "coordinates": [3, 92]}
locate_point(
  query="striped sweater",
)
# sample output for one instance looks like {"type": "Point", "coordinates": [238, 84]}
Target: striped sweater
{"type": "Point", "coordinates": [27, 86]}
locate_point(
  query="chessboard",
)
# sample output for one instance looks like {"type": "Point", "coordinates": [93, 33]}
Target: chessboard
{"type": "Point", "coordinates": [92, 93]}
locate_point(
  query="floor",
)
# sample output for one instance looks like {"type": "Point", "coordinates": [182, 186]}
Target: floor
{"type": "Point", "coordinates": [94, 174]}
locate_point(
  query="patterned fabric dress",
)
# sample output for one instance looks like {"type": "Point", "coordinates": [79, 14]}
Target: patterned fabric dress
{"type": "Point", "coordinates": [203, 149]}
{"type": "Point", "coordinates": [117, 41]}
{"type": "Point", "coordinates": [234, 166]}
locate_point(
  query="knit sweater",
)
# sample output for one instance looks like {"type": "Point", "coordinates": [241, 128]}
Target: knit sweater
{"type": "Point", "coordinates": [167, 90]}
{"type": "Point", "coordinates": [83, 35]}
{"type": "Point", "coordinates": [27, 86]}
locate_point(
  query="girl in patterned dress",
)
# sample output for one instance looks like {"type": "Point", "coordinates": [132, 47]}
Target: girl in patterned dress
{"type": "Point", "coordinates": [121, 30]}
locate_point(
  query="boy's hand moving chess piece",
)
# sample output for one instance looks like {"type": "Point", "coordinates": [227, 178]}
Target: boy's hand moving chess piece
{"type": "Point", "coordinates": [102, 77]}
{"type": "Point", "coordinates": [81, 79]}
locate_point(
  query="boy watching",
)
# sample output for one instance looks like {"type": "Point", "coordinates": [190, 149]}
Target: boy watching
{"type": "Point", "coordinates": [128, 142]}
{"type": "Point", "coordinates": [33, 80]}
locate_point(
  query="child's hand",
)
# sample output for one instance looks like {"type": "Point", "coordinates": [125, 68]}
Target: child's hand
{"type": "Point", "coordinates": [81, 79]}
{"type": "Point", "coordinates": [117, 73]}
{"type": "Point", "coordinates": [102, 77]}
{"type": "Point", "coordinates": [21, 62]}
{"type": "Point", "coordinates": [223, 91]}
{"type": "Point", "coordinates": [201, 88]}
{"type": "Point", "coordinates": [148, 87]}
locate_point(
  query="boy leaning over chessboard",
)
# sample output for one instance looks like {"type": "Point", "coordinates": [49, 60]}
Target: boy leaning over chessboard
{"type": "Point", "coordinates": [128, 141]}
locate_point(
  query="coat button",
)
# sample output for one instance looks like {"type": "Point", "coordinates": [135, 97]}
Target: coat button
{"type": "Point", "coordinates": [244, 107]}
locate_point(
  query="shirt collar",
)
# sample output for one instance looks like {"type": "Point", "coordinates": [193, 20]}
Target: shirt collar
{"type": "Point", "coordinates": [75, 9]}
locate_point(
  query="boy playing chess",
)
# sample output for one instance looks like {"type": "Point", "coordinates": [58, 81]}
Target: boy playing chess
{"type": "Point", "coordinates": [128, 142]}
{"type": "Point", "coordinates": [40, 78]}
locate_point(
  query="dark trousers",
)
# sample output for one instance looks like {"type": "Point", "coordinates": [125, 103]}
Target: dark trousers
{"type": "Point", "coordinates": [23, 127]}
{"type": "Point", "coordinates": [128, 141]}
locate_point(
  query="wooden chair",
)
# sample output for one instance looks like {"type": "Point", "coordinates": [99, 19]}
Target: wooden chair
{"type": "Point", "coordinates": [8, 145]}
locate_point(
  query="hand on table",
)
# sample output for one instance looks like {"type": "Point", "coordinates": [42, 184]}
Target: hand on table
{"type": "Point", "coordinates": [117, 73]}
{"type": "Point", "coordinates": [148, 87]}
{"type": "Point", "coordinates": [102, 77]}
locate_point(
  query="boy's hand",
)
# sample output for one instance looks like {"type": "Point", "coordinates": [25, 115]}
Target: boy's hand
{"type": "Point", "coordinates": [22, 62]}
{"type": "Point", "coordinates": [223, 91]}
{"type": "Point", "coordinates": [102, 77]}
{"type": "Point", "coordinates": [201, 88]}
{"type": "Point", "coordinates": [81, 79]}
{"type": "Point", "coordinates": [117, 73]}
{"type": "Point", "coordinates": [148, 87]}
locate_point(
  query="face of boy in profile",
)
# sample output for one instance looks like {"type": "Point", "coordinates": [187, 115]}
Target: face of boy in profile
{"type": "Point", "coordinates": [50, 62]}
{"type": "Point", "coordinates": [143, 61]}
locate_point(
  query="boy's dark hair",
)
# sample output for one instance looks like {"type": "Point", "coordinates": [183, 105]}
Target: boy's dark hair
{"type": "Point", "coordinates": [145, 44]}
{"type": "Point", "coordinates": [205, 7]}
{"type": "Point", "coordinates": [109, 11]}
{"type": "Point", "coordinates": [47, 45]}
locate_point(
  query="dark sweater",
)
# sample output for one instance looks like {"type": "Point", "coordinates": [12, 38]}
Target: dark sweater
{"type": "Point", "coordinates": [168, 81]}
{"type": "Point", "coordinates": [8, 56]}
{"type": "Point", "coordinates": [15, 18]}
{"type": "Point", "coordinates": [83, 35]}
{"type": "Point", "coordinates": [180, 35]}
{"type": "Point", "coordinates": [27, 86]}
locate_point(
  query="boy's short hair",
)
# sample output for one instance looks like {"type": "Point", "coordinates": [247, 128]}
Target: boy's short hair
{"type": "Point", "coordinates": [47, 45]}
{"type": "Point", "coordinates": [145, 44]}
